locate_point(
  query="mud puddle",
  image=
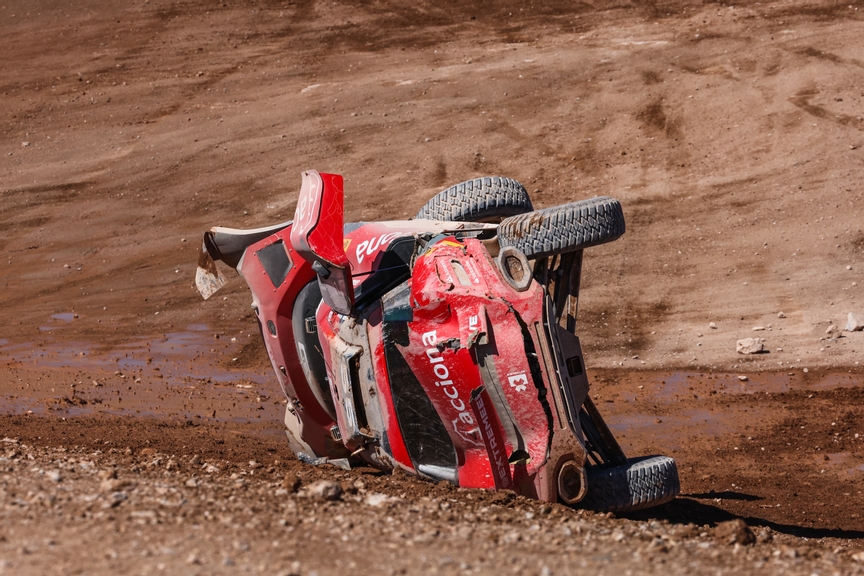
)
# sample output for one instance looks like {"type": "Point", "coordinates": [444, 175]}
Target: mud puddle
{"type": "Point", "coordinates": [182, 374]}
{"type": "Point", "coordinates": [668, 410]}
{"type": "Point", "coordinates": [673, 386]}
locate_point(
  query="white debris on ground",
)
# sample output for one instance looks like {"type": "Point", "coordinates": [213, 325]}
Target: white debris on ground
{"type": "Point", "coordinates": [750, 345]}
{"type": "Point", "coordinates": [855, 322]}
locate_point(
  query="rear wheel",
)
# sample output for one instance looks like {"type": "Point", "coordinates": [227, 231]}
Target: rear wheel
{"type": "Point", "coordinates": [639, 484]}
{"type": "Point", "coordinates": [486, 199]}
{"type": "Point", "coordinates": [562, 229]}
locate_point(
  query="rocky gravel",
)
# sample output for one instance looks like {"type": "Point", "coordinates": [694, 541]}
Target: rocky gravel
{"type": "Point", "coordinates": [76, 510]}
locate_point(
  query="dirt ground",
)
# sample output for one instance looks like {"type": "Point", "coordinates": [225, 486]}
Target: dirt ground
{"type": "Point", "coordinates": [141, 429]}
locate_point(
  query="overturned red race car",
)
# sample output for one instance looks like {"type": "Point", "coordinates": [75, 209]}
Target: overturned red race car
{"type": "Point", "coordinates": [444, 345]}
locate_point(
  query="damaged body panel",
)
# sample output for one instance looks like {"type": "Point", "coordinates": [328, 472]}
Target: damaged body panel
{"type": "Point", "coordinates": [444, 348]}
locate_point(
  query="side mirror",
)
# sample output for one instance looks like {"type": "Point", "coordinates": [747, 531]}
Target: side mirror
{"type": "Point", "coordinates": [317, 234]}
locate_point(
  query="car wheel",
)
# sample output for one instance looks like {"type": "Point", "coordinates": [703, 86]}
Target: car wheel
{"type": "Point", "coordinates": [641, 483]}
{"type": "Point", "coordinates": [486, 199]}
{"type": "Point", "coordinates": [562, 229]}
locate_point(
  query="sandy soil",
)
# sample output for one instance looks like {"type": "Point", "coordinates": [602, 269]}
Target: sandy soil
{"type": "Point", "coordinates": [732, 134]}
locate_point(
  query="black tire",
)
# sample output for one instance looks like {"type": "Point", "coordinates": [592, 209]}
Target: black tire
{"type": "Point", "coordinates": [486, 199]}
{"type": "Point", "coordinates": [562, 229]}
{"type": "Point", "coordinates": [308, 346]}
{"type": "Point", "coordinates": [639, 484]}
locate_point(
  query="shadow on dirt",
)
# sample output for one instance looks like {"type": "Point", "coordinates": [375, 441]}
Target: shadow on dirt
{"type": "Point", "coordinates": [686, 510]}
{"type": "Point", "coordinates": [726, 495]}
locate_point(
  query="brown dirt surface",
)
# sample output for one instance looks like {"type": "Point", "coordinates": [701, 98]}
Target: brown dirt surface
{"type": "Point", "coordinates": [141, 427]}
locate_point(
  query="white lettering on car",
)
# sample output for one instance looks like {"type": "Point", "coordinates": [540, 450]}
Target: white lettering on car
{"type": "Point", "coordinates": [442, 375]}
{"type": "Point", "coordinates": [471, 268]}
{"type": "Point", "coordinates": [305, 214]}
{"type": "Point", "coordinates": [496, 452]}
{"type": "Point", "coordinates": [368, 247]}
{"type": "Point", "coordinates": [518, 381]}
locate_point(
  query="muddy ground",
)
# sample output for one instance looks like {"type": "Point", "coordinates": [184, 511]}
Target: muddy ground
{"type": "Point", "coordinates": [141, 428]}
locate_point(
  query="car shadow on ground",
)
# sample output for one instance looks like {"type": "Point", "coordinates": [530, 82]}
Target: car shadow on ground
{"type": "Point", "coordinates": [687, 509]}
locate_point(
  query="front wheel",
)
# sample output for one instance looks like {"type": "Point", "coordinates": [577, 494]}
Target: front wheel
{"type": "Point", "coordinates": [486, 199]}
{"type": "Point", "coordinates": [640, 483]}
{"type": "Point", "coordinates": [563, 229]}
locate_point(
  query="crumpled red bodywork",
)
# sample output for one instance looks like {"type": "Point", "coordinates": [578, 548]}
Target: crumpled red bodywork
{"type": "Point", "coordinates": [434, 363]}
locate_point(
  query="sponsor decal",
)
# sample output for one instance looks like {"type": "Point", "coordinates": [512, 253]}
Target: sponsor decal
{"type": "Point", "coordinates": [369, 247]}
{"type": "Point", "coordinates": [305, 216]}
{"type": "Point", "coordinates": [464, 424]}
{"type": "Point", "coordinates": [471, 268]}
{"type": "Point", "coordinates": [519, 381]}
{"type": "Point", "coordinates": [490, 430]}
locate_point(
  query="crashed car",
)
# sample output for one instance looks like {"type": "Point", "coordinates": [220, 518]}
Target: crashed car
{"type": "Point", "coordinates": [444, 345]}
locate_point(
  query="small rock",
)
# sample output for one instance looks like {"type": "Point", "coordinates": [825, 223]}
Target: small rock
{"type": "Point", "coordinates": [25, 144]}
{"type": "Point", "coordinates": [147, 452]}
{"type": "Point", "coordinates": [781, 315]}
{"type": "Point", "coordinates": [291, 483]}
{"type": "Point", "coordinates": [114, 484]}
{"type": "Point", "coordinates": [854, 322]}
{"type": "Point", "coordinates": [712, 325]}
{"type": "Point", "coordinates": [107, 473]}
{"type": "Point", "coordinates": [116, 498]}
{"type": "Point", "coordinates": [734, 532]}
{"type": "Point", "coordinates": [858, 557]}
{"type": "Point", "coordinates": [376, 499]}
{"type": "Point", "coordinates": [192, 483]}
{"type": "Point", "coordinates": [743, 378]}
{"type": "Point", "coordinates": [750, 345]}
{"type": "Point", "coordinates": [55, 476]}
{"type": "Point", "coordinates": [758, 328]}
{"type": "Point", "coordinates": [831, 329]}
{"type": "Point", "coordinates": [325, 490]}
{"type": "Point", "coordinates": [787, 552]}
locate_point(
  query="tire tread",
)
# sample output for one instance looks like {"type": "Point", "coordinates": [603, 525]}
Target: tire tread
{"type": "Point", "coordinates": [641, 483]}
{"type": "Point", "coordinates": [477, 200]}
{"type": "Point", "coordinates": [566, 228]}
